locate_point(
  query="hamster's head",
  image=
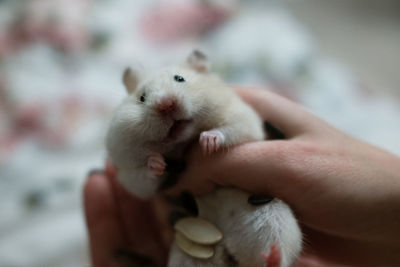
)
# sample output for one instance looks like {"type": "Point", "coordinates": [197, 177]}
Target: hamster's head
{"type": "Point", "coordinates": [163, 106]}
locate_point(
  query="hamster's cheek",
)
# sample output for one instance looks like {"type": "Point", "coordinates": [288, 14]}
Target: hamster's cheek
{"type": "Point", "coordinates": [185, 107]}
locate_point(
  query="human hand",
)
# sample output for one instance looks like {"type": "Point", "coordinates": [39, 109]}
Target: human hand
{"type": "Point", "coordinates": [123, 230]}
{"type": "Point", "coordinates": [344, 192]}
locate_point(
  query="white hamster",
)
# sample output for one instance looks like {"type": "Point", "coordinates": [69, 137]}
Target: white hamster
{"type": "Point", "coordinates": [164, 112]}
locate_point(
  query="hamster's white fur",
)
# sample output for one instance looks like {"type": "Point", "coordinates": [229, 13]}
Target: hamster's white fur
{"type": "Point", "coordinates": [162, 114]}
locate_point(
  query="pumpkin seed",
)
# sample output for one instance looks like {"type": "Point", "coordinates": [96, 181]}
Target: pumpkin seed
{"type": "Point", "coordinates": [198, 230]}
{"type": "Point", "coordinates": [195, 250]}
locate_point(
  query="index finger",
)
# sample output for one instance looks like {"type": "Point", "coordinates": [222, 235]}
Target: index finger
{"type": "Point", "coordinates": [264, 167]}
{"type": "Point", "coordinates": [101, 217]}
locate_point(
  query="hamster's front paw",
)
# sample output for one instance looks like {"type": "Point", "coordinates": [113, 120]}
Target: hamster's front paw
{"type": "Point", "coordinates": [211, 141]}
{"type": "Point", "coordinates": [156, 164]}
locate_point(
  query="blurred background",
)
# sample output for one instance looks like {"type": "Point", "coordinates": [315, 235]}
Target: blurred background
{"type": "Point", "coordinates": [61, 63]}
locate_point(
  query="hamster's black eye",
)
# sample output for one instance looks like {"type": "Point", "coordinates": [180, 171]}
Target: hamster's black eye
{"type": "Point", "coordinates": [143, 98]}
{"type": "Point", "coordinates": [179, 79]}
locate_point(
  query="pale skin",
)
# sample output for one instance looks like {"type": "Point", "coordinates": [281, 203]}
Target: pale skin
{"type": "Point", "coordinates": [344, 192]}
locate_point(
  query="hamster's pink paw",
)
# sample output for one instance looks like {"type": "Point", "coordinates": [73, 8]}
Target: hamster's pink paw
{"type": "Point", "coordinates": [156, 164]}
{"type": "Point", "coordinates": [211, 141]}
{"type": "Point", "coordinates": [274, 257]}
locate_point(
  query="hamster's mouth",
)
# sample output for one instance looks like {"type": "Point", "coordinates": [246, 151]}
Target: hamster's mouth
{"type": "Point", "coordinates": [178, 126]}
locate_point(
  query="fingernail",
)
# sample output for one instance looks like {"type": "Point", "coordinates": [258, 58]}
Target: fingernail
{"type": "Point", "coordinates": [93, 172]}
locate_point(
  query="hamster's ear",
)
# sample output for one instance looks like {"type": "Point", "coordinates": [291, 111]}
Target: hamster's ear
{"type": "Point", "coordinates": [198, 61]}
{"type": "Point", "coordinates": [130, 79]}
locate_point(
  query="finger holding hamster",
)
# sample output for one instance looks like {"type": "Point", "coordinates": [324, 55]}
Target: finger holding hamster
{"type": "Point", "coordinates": [258, 167]}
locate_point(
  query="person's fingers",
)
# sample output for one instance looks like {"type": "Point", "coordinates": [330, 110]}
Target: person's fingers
{"type": "Point", "coordinates": [101, 217]}
{"type": "Point", "coordinates": [162, 211]}
{"type": "Point", "coordinates": [289, 117]}
{"type": "Point", "coordinates": [274, 168]}
{"type": "Point", "coordinates": [138, 221]}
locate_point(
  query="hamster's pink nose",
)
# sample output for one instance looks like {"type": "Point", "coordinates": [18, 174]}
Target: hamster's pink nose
{"type": "Point", "coordinates": [166, 106]}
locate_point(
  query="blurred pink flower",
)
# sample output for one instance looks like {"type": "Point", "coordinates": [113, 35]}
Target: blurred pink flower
{"type": "Point", "coordinates": [59, 23]}
{"type": "Point", "coordinates": [172, 21]}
